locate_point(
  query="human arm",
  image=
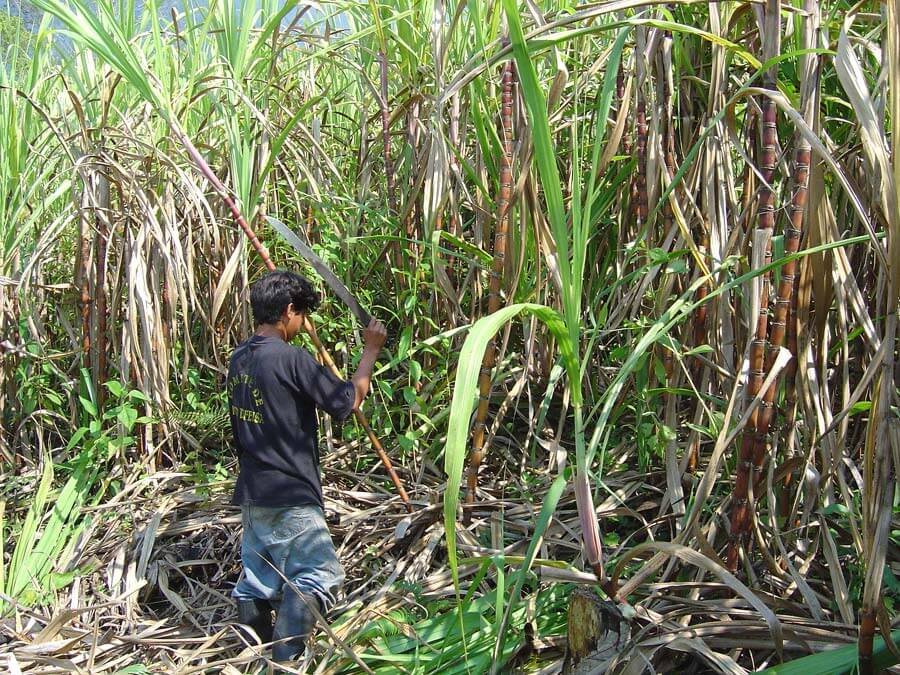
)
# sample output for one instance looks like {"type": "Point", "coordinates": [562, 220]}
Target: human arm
{"type": "Point", "coordinates": [374, 337]}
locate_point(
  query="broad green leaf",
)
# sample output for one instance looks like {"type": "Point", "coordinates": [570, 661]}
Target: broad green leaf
{"type": "Point", "coordinates": [548, 508]}
{"type": "Point", "coordinates": [465, 392]}
{"type": "Point", "coordinates": [127, 416]}
{"type": "Point", "coordinates": [841, 661]}
{"type": "Point", "coordinates": [17, 577]}
{"type": "Point", "coordinates": [544, 151]}
{"type": "Point", "coordinates": [88, 406]}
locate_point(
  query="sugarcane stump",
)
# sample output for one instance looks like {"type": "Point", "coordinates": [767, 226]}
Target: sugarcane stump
{"type": "Point", "coordinates": [597, 632]}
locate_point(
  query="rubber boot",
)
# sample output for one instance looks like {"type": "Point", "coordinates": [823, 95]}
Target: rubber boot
{"type": "Point", "coordinates": [295, 621]}
{"type": "Point", "coordinates": [258, 615]}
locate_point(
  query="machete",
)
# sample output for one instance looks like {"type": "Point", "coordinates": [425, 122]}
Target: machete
{"type": "Point", "coordinates": [323, 270]}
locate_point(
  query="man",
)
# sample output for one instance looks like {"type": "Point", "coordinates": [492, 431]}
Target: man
{"type": "Point", "coordinates": [274, 391]}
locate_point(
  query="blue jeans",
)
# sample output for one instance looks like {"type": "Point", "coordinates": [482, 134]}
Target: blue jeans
{"type": "Point", "coordinates": [287, 545]}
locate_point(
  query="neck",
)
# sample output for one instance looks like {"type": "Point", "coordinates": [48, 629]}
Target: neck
{"type": "Point", "coordinates": [271, 330]}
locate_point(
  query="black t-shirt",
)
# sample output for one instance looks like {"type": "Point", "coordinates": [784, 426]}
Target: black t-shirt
{"type": "Point", "coordinates": [273, 392]}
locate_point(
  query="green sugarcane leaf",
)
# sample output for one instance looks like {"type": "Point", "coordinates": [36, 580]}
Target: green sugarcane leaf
{"type": "Point", "coordinates": [18, 578]}
{"type": "Point", "coordinates": [97, 30]}
{"type": "Point", "coordinates": [544, 152]}
{"type": "Point", "coordinates": [499, 605]}
{"type": "Point", "coordinates": [465, 392]}
{"type": "Point", "coordinates": [58, 530]}
{"type": "Point", "coordinates": [840, 661]}
{"type": "Point", "coordinates": [551, 499]}
{"type": "Point", "coordinates": [476, 252]}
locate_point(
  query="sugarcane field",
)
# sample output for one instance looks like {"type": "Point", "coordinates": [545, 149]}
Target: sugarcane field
{"type": "Point", "coordinates": [449, 336]}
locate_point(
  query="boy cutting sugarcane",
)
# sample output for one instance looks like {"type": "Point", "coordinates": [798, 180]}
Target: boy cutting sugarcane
{"type": "Point", "coordinates": [274, 391]}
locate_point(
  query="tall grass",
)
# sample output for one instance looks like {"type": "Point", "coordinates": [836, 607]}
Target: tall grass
{"type": "Point", "coordinates": [379, 129]}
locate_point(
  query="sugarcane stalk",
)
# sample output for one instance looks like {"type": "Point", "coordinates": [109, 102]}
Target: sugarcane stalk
{"type": "Point", "coordinates": [267, 261]}
{"type": "Point", "coordinates": [386, 131]}
{"type": "Point", "coordinates": [867, 627]}
{"type": "Point", "coordinates": [767, 221]}
{"type": "Point", "coordinates": [494, 300]}
{"type": "Point", "coordinates": [699, 332]}
{"type": "Point", "coordinates": [879, 482]}
{"type": "Point", "coordinates": [755, 440]}
{"type": "Point", "coordinates": [638, 202]}
{"type": "Point", "coordinates": [741, 508]}
{"type": "Point", "coordinates": [587, 518]}
{"type": "Point", "coordinates": [699, 335]}
{"type": "Point", "coordinates": [310, 223]}
{"type": "Point", "coordinates": [386, 149]}
{"type": "Point", "coordinates": [101, 247]}
{"type": "Point", "coordinates": [667, 211]}
{"type": "Point", "coordinates": [83, 282]}
{"type": "Point", "coordinates": [790, 402]}
{"type": "Point", "coordinates": [620, 102]}
{"type": "Point", "coordinates": [809, 79]}
{"type": "Point", "coordinates": [166, 313]}
{"type": "Point", "coordinates": [640, 181]}
{"type": "Point", "coordinates": [793, 232]}
{"type": "Point", "coordinates": [749, 178]}
{"type": "Point", "coordinates": [454, 227]}
{"type": "Point", "coordinates": [414, 218]}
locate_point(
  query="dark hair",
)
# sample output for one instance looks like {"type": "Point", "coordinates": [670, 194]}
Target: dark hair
{"type": "Point", "coordinates": [270, 295]}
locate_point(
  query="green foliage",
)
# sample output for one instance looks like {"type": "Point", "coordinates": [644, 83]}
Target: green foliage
{"type": "Point", "coordinates": [293, 123]}
{"type": "Point", "coordinates": [46, 538]}
{"type": "Point", "coordinates": [106, 432]}
{"type": "Point", "coordinates": [202, 419]}
{"type": "Point", "coordinates": [24, 174]}
{"type": "Point", "coordinates": [429, 644]}
{"type": "Point", "coordinates": [16, 43]}
{"type": "Point", "coordinates": [387, 626]}
{"type": "Point", "coordinates": [840, 661]}
{"type": "Point", "coordinates": [41, 385]}
{"type": "Point", "coordinates": [571, 246]}
{"type": "Point", "coordinates": [100, 28]}
{"type": "Point", "coordinates": [53, 522]}
{"type": "Point", "coordinates": [464, 394]}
